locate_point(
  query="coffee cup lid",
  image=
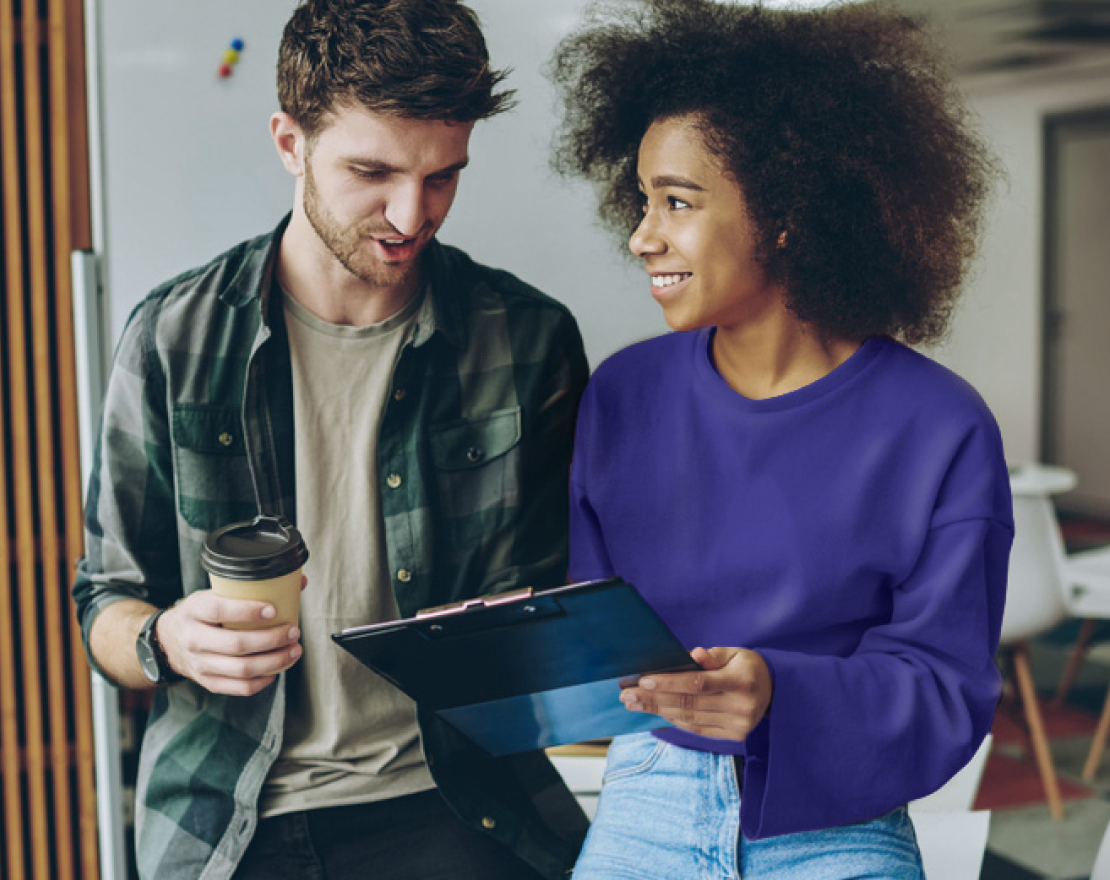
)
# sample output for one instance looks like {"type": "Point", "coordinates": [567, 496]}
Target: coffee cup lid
{"type": "Point", "coordinates": [265, 547]}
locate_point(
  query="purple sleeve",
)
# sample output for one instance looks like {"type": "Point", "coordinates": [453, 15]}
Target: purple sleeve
{"type": "Point", "coordinates": [589, 560]}
{"type": "Point", "coordinates": [848, 739]}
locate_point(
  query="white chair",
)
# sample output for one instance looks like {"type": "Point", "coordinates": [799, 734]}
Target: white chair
{"type": "Point", "coordinates": [952, 843]}
{"type": "Point", "coordinates": [1088, 596]}
{"type": "Point", "coordinates": [951, 835]}
{"type": "Point", "coordinates": [1101, 869]}
{"type": "Point", "coordinates": [1034, 604]}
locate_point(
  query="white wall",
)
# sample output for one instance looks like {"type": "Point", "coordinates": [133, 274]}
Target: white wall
{"type": "Point", "coordinates": [996, 339]}
{"type": "Point", "coordinates": [514, 212]}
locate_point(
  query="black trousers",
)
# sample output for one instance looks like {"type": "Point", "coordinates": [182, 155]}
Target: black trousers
{"type": "Point", "coordinates": [410, 838]}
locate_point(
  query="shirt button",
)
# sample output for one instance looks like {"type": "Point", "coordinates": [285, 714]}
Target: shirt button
{"type": "Point", "coordinates": [399, 394]}
{"type": "Point", "coordinates": [474, 454]}
{"type": "Point", "coordinates": [404, 575]}
{"type": "Point", "coordinates": [488, 823]}
{"type": "Point", "coordinates": [393, 481]}
{"type": "Point", "coordinates": [225, 439]}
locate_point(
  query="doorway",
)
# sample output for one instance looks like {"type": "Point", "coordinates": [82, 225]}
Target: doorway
{"type": "Point", "coordinates": [1075, 393]}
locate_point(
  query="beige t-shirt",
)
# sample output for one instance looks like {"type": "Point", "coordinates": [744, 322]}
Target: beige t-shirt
{"type": "Point", "coordinates": [350, 736]}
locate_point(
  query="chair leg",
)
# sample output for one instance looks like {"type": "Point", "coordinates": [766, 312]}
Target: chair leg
{"type": "Point", "coordinates": [1036, 732]}
{"type": "Point", "coordinates": [1011, 704]}
{"type": "Point", "coordinates": [1098, 743]}
{"type": "Point", "coordinates": [1075, 661]}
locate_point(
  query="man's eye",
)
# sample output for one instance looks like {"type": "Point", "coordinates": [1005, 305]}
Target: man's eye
{"type": "Point", "coordinates": [676, 203]}
{"type": "Point", "coordinates": [442, 179]}
{"type": "Point", "coordinates": [369, 173]}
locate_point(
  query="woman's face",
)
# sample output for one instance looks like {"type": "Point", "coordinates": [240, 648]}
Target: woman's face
{"type": "Point", "coordinates": [696, 238]}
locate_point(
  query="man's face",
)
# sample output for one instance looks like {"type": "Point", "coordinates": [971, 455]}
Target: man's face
{"type": "Point", "coordinates": [377, 188]}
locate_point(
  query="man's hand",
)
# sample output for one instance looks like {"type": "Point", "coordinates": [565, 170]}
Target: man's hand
{"type": "Point", "coordinates": [725, 699]}
{"type": "Point", "coordinates": [236, 662]}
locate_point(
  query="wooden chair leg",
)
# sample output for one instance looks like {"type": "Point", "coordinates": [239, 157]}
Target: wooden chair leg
{"type": "Point", "coordinates": [1075, 661]}
{"type": "Point", "coordinates": [1098, 743]}
{"type": "Point", "coordinates": [1011, 705]}
{"type": "Point", "coordinates": [1036, 732]}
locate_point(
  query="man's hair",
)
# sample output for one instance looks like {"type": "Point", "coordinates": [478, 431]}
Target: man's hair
{"type": "Point", "coordinates": [417, 59]}
{"type": "Point", "coordinates": [841, 127]}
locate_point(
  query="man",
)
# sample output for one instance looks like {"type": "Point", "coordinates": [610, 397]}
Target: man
{"type": "Point", "coordinates": [410, 410]}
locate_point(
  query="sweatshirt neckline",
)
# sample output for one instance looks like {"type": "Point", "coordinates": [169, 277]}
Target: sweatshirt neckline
{"type": "Point", "coordinates": [708, 376]}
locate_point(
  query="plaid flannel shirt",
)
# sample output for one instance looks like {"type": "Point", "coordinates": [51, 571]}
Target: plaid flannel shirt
{"type": "Point", "coordinates": [197, 431]}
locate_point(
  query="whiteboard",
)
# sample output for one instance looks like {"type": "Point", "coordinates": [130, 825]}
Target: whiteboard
{"type": "Point", "coordinates": [189, 169]}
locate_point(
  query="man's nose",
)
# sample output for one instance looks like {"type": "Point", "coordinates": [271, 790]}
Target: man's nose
{"type": "Point", "coordinates": [405, 211]}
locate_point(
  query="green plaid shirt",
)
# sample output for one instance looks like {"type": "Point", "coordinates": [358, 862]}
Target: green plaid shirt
{"type": "Point", "coordinates": [197, 431]}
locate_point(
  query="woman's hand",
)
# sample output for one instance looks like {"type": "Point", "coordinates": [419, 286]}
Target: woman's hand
{"type": "Point", "coordinates": [725, 699]}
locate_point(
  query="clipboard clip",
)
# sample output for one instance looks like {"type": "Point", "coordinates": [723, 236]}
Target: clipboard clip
{"type": "Point", "coordinates": [491, 601]}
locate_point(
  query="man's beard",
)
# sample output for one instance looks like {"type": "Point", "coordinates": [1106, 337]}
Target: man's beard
{"type": "Point", "coordinates": [349, 244]}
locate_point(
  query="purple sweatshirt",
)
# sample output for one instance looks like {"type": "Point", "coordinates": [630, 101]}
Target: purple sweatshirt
{"type": "Point", "coordinates": [856, 533]}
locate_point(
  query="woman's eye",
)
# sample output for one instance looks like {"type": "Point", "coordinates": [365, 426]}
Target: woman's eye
{"type": "Point", "coordinates": [676, 203]}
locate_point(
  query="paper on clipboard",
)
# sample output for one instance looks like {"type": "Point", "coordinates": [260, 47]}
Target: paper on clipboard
{"type": "Point", "coordinates": [527, 669]}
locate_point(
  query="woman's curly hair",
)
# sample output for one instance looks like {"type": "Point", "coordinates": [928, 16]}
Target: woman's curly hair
{"type": "Point", "coordinates": [841, 127]}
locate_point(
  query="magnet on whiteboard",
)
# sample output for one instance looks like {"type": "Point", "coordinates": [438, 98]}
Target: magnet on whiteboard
{"type": "Point", "coordinates": [231, 58]}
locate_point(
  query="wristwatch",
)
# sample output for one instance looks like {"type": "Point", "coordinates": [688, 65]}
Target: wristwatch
{"type": "Point", "coordinates": [152, 656]}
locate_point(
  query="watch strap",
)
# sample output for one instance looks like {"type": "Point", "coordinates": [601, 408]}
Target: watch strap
{"type": "Point", "coordinates": [166, 673]}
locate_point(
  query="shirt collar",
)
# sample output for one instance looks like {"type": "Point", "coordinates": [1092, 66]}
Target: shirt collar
{"type": "Point", "coordinates": [441, 312]}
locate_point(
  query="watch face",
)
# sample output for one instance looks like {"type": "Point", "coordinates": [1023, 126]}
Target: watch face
{"type": "Point", "coordinates": [145, 651]}
{"type": "Point", "coordinates": [147, 660]}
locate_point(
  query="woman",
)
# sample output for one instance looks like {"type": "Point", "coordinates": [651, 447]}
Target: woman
{"type": "Point", "coordinates": [819, 512]}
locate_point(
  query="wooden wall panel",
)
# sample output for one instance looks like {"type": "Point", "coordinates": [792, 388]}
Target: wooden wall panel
{"type": "Point", "coordinates": [48, 802]}
{"type": "Point", "coordinates": [13, 741]}
{"type": "Point", "coordinates": [32, 378]}
{"type": "Point", "coordinates": [72, 231]}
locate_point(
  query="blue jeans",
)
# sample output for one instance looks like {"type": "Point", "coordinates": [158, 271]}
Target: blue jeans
{"type": "Point", "coordinates": [668, 813]}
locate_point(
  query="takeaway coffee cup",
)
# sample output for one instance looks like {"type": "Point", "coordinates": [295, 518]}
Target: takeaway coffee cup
{"type": "Point", "coordinates": [260, 560]}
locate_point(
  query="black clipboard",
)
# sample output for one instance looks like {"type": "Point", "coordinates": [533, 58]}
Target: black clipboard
{"type": "Point", "coordinates": [527, 669]}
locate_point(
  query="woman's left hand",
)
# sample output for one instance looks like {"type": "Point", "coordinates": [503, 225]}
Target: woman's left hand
{"type": "Point", "coordinates": [725, 699]}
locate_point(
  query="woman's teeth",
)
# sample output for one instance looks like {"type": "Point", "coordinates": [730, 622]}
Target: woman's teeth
{"type": "Point", "coordinates": [668, 280]}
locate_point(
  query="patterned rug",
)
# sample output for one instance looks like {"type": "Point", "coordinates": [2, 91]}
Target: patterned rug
{"type": "Point", "coordinates": [1011, 778]}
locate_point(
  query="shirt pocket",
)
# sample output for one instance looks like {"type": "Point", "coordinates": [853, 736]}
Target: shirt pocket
{"type": "Point", "coordinates": [477, 463]}
{"type": "Point", "coordinates": [212, 476]}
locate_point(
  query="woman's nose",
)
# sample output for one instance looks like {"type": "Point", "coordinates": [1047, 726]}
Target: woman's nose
{"type": "Point", "coordinates": [645, 238]}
